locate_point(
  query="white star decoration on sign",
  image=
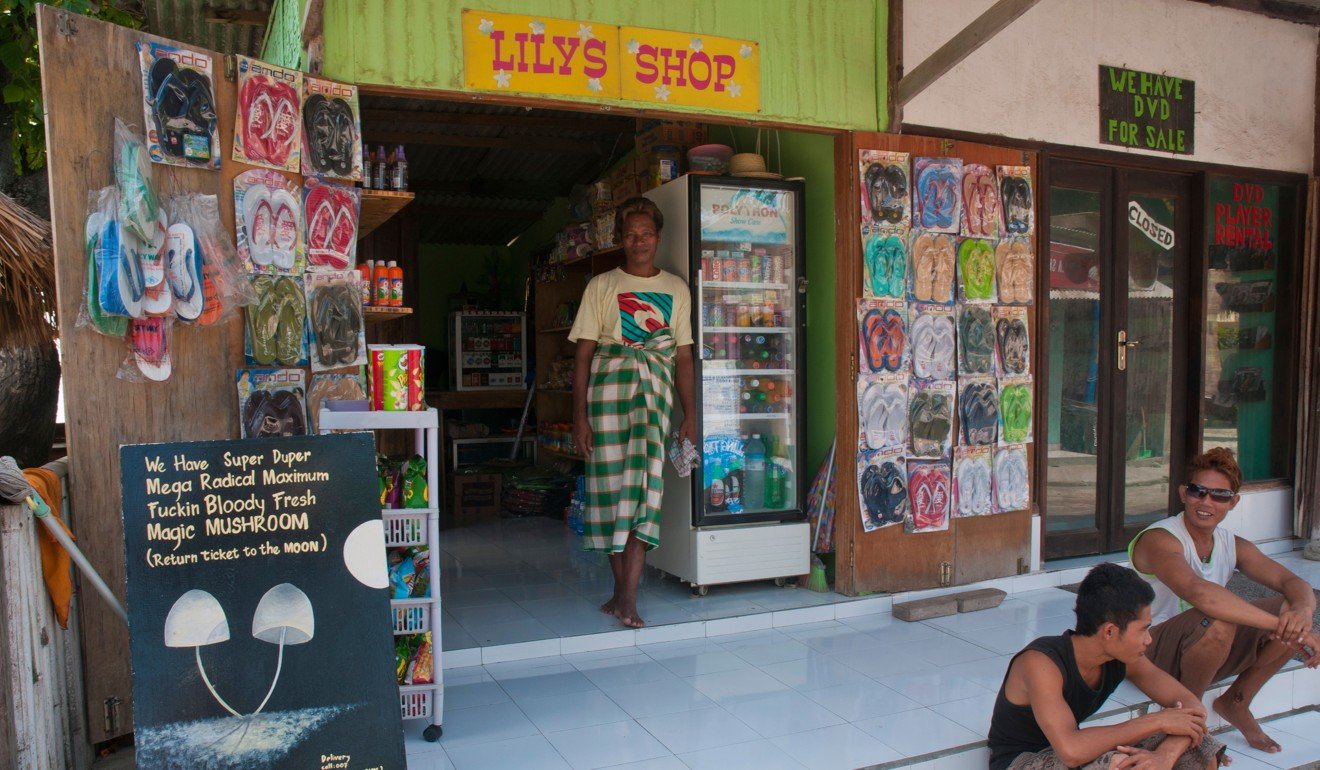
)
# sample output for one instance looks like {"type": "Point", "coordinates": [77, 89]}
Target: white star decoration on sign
{"type": "Point", "coordinates": [662, 92]}
{"type": "Point", "coordinates": [594, 85]}
{"type": "Point", "coordinates": [502, 79]}
{"type": "Point", "coordinates": [584, 32]}
{"type": "Point", "coordinates": [538, 27]}
{"type": "Point", "coordinates": [735, 90]}
{"type": "Point", "coordinates": [634, 46]}
{"type": "Point", "coordinates": [696, 44]}
{"type": "Point", "coordinates": [486, 27]}
{"type": "Point", "coordinates": [745, 51]}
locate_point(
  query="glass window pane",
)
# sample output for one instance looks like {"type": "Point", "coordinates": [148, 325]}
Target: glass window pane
{"type": "Point", "coordinates": [1246, 242]}
{"type": "Point", "coordinates": [1074, 376]}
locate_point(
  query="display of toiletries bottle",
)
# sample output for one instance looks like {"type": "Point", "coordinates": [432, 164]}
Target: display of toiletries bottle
{"type": "Point", "coordinates": [400, 175]}
{"type": "Point", "coordinates": [396, 284]}
{"type": "Point", "coordinates": [381, 279]}
{"type": "Point", "coordinates": [754, 473]}
{"type": "Point", "coordinates": [382, 168]}
{"type": "Point", "coordinates": [368, 168]}
{"type": "Point", "coordinates": [364, 270]}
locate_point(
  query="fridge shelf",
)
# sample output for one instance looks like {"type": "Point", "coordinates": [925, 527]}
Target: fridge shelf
{"type": "Point", "coordinates": [747, 329]}
{"type": "Point", "coordinates": [765, 416]}
{"type": "Point", "coordinates": [742, 285]}
{"type": "Point", "coordinates": [715, 370]}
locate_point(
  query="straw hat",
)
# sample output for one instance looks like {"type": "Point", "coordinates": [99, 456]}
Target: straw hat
{"type": "Point", "coordinates": [750, 164]}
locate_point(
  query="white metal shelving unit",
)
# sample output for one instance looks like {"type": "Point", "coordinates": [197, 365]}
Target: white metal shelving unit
{"type": "Point", "coordinates": [410, 527]}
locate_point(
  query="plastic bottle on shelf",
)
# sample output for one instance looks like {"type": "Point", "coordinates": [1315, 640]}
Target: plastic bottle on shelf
{"type": "Point", "coordinates": [396, 284]}
{"type": "Point", "coordinates": [400, 175]}
{"type": "Point", "coordinates": [381, 168]}
{"type": "Point", "coordinates": [380, 277]}
{"type": "Point", "coordinates": [364, 271]}
{"type": "Point", "coordinates": [368, 168]}
{"type": "Point", "coordinates": [715, 488]}
{"type": "Point", "coordinates": [754, 474]}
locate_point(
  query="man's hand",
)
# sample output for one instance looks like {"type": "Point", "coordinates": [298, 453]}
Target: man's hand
{"type": "Point", "coordinates": [1132, 758]}
{"type": "Point", "coordinates": [583, 438]}
{"type": "Point", "coordinates": [688, 430]}
{"type": "Point", "coordinates": [1292, 625]}
{"type": "Point", "coordinates": [1189, 722]}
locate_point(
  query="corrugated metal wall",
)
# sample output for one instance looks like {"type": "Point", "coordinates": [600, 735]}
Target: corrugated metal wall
{"type": "Point", "coordinates": [819, 59]}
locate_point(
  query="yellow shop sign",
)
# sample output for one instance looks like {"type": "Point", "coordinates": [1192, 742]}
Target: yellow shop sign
{"type": "Point", "coordinates": [560, 57]}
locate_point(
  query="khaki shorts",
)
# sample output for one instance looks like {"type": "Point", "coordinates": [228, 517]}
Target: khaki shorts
{"type": "Point", "coordinates": [1173, 637]}
{"type": "Point", "coordinates": [1195, 758]}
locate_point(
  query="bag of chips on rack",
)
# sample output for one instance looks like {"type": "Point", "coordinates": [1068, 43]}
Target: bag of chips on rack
{"type": "Point", "coordinates": [421, 669]}
{"type": "Point", "coordinates": [402, 573]}
{"type": "Point", "coordinates": [415, 493]}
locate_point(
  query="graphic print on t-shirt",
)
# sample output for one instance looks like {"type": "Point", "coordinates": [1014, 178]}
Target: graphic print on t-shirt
{"type": "Point", "coordinates": [642, 312]}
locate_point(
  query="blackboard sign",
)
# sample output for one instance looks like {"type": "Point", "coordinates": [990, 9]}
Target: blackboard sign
{"type": "Point", "coordinates": [1147, 110]}
{"type": "Point", "coordinates": [258, 616]}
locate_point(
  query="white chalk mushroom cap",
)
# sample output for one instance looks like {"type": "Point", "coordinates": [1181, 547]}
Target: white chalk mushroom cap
{"type": "Point", "coordinates": [196, 620]}
{"type": "Point", "coordinates": [284, 615]}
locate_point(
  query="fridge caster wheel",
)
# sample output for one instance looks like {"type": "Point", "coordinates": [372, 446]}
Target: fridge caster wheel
{"type": "Point", "coordinates": [699, 590]}
{"type": "Point", "coordinates": [786, 582]}
{"type": "Point", "coordinates": [433, 733]}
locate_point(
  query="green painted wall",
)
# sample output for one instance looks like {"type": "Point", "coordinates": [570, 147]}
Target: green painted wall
{"type": "Point", "coordinates": [283, 42]}
{"type": "Point", "coordinates": [810, 156]}
{"type": "Point", "coordinates": [822, 62]}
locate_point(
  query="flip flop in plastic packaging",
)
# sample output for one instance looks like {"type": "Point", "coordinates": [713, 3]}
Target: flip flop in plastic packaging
{"type": "Point", "coordinates": [119, 277]}
{"type": "Point", "coordinates": [150, 257]}
{"type": "Point", "coordinates": [268, 130]}
{"type": "Point", "coordinates": [184, 270]}
{"type": "Point", "coordinates": [330, 215]}
{"type": "Point", "coordinates": [275, 323]}
{"type": "Point", "coordinates": [149, 340]}
{"type": "Point", "coordinates": [103, 322]}
{"type": "Point", "coordinates": [139, 206]}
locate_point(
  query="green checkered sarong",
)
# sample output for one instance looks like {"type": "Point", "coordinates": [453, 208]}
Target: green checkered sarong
{"type": "Point", "coordinates": [630, 404]}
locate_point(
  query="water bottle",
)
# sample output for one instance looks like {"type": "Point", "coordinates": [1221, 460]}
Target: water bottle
{"type": "Point", "coordinates": [754, 474]}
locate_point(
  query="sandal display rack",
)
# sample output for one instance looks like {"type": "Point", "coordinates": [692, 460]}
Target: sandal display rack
{"type": "Point", "coordinates": [411, 527]}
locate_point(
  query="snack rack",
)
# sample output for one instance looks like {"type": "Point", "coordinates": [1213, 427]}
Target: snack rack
{"type": "Point", "coordinates": [410, 527]}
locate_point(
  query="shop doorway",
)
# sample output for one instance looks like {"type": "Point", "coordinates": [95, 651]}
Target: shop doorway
{"type": "Point", "coordinates": [1116, 352]}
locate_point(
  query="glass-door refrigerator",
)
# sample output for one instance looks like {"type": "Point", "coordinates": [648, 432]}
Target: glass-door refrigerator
{"type": "Point", "coordinates": [740, 515]}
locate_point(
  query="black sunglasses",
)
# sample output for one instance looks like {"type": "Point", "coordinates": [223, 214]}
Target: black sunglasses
{"type": "Point", "coordinates": [1218, 495]}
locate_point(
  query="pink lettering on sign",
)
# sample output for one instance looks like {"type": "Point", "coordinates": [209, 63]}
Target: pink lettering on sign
{"type": "Point", "coordinates": [533, 52]}
{"type": "Point", "coordinates": [675, 67]}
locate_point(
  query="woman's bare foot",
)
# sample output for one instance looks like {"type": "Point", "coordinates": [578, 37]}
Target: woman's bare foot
{"type": "Point", "coordinates": [1236, 713]}
{"type": "Point", "coordinates": [628, 616]}
{"type": "Point", "coordinates": [611, 607]}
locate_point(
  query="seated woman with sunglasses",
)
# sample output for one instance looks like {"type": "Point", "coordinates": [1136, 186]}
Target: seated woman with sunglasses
{"type": "Point", "coordinates": [1203, 632]}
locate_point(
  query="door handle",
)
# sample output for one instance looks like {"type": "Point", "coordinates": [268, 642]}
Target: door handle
{"type": "Point", "coordinates": [1123, 345]}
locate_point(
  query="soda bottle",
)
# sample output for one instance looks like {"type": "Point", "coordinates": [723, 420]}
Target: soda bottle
{"type": "Point", "coordinates": [754, 475]}
{"type": "Point", "coordinates": [717, 501]}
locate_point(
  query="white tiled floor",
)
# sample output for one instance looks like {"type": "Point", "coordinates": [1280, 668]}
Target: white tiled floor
{"type": "Point", "coordinates": [519, 580]}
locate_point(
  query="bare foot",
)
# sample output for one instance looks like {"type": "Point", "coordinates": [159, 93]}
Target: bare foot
{"type": "Point", "coordinates": [611, 607]}
{"type": "Point", "coordinates": [629, 617]}
{"type": "Point", "coordinates": [1236, 713]}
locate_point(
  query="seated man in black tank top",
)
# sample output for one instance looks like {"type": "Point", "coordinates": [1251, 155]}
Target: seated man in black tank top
{"type": "Point", "coordinates": [1056, 682]}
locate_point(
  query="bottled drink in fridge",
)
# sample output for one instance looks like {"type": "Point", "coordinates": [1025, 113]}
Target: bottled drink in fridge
{"type": "Point", "coordinates": [754, 474]}
{"type": "Point", "coordinates": [715, 490]}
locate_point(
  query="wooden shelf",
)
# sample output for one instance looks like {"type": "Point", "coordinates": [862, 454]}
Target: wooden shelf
{"type": "Point", "coordinates": [378, 314]}
{"type": "Point", "coordinates": [378, 206]}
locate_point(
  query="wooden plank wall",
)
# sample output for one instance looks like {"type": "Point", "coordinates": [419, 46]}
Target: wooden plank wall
{"type": "Point", "coordinates": [889, 559]}
{"type": "Point", "coordinates": [90, 76]}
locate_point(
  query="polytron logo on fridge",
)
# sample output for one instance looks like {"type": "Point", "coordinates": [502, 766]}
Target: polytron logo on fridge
{"type": "Point", "coordinates": [569, 57]}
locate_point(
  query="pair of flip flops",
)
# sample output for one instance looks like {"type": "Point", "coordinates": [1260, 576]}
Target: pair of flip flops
{"type": "Point", "coordinates": [270, 119]}
{"type": "Point", "coordinates": [148, 339]}
{"type": "Point", "coordinates": [183, 109]}
{"type": "Point", "coordinates": [336, 316]}
{"type": "Point", "coordinates": [276, 321]}
{"type": "Point", "coordinates": [101, 245]}
{"type": "Point", "coordinates": [270, 223]}
{"type": "Point", "coordinates": [274, 413]}
{"type": "Point", "coordinates": [331, 213]}
{"type": "Point", "coordinates": [329, 135]}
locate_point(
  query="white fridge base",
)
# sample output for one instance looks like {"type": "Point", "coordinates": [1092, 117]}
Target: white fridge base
{"type": "Point", "coordinates": [731, 554]}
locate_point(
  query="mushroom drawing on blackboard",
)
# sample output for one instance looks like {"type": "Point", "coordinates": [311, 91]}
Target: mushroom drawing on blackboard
{"type": "Point", "coordinates": [283, 616]}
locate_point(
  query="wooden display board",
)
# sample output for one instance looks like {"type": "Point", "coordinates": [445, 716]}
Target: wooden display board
{"type": "Point", "coordinates": [90, 76]}
{"type": "Point", "coordinates": [889, 559]}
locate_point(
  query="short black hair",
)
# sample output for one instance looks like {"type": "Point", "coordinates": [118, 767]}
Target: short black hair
{"type": "Point", "coordinates": [635, 206]}
{"type": "Point", "coordinates": [1110, 594]}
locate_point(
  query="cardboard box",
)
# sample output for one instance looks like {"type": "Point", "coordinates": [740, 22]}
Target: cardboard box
{"type": "Point", "coordinates": [476, 495]}
{"type": "Point", "coordinates": [682, 134]}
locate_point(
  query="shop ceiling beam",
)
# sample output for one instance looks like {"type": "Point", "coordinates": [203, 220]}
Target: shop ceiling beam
{"type": "Point", "coordinates": [584, 124]}
{"type": "Point", "coordinates": [549, 144]}
{"type": "Point", "coordinates": [959, 47]}
{"type": "Point", "coordinates": [1300, 13]}
{"type": "Point", "coordinates": [239, 16]}
{"type": "Point", "coordinates": [492, 188]}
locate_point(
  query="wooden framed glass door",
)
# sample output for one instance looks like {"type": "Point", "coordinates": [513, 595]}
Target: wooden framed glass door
{"type": "Point", "coordinates": [1115, 352]}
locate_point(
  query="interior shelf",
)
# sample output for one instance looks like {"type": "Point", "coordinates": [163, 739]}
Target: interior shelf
{"type": "Point", "coordinates": [378, 206]}
{"type": "Point", "coordinates": [380, 314]}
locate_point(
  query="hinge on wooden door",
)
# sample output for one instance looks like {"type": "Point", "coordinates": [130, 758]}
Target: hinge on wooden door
{"type": "Point", "coordinates": [946, 573]}
{"type": "Point", "coordinates": [110, 711]}
{"type": "Point", "coordinates": [1024, 566]}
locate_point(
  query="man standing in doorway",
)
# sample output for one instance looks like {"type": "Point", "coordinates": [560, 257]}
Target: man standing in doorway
{"type": "Point", "coordinates": [634, 348]}
{"type": "Point", "coordinates": [1203, 631]}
